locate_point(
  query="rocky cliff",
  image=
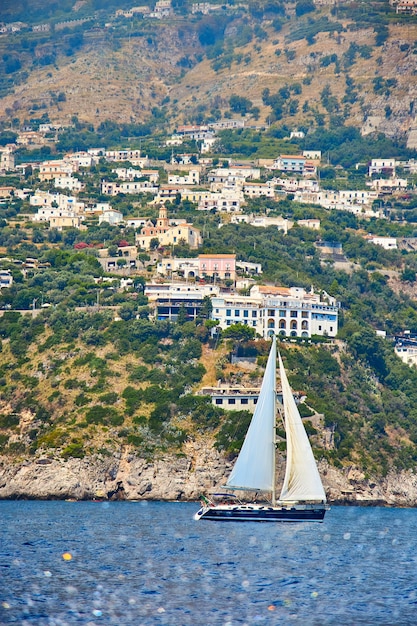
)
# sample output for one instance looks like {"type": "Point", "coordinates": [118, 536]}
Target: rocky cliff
{"type": "Point", "coordinates": [127, 477]}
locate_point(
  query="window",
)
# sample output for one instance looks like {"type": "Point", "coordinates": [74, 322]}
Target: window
{"type": "Point", "coordinates": [237, 313]}
{"type": "Point", "coordinates": [282, 324]}
{"type": "Point", "coordinates": [245, 313]}
{"type": "Point", "coordinates": [294, 313]}
{"type": "Point", "coordinates": [304, 325]}
{"type": "Point", "coordinates": [282, 313]}
{"type": "Point", "coordinates": [244, 401]}
{"type": "Point", "coordinates": [271, 313]}
{"type": "Point", "coordinates": [304, 313]}
{"type": "Point", "coordinates": [253, 313]}
{"type": "Point", "coordinates": [231, 401]}
{"type": "Point", "coordinates": [228, 313]}
{"type": "Point", "coordinates": [293, 325]}
{"type": "Point", "coordinates": [219, 400]}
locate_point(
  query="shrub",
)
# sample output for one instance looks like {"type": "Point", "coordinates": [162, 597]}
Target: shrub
{"type": "Point", "coordinates": [109, 398]}
{"type": "Point", "coordinates": [75, 450]}
{"type": "Point", "coordinates": [103, 415]}
{"type": "Point", "coordinates": [9, 420]}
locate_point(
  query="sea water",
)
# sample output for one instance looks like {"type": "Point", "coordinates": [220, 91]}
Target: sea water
{"type": "Point", "coordinates": [138, 563]}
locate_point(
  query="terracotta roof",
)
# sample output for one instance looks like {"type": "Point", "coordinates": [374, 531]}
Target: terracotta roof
{"type": "Point", "coordinates": [276, 291]}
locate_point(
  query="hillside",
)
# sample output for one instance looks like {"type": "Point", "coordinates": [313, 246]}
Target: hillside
{"type": "Point", "coordinates": [294, 69]}
{"type": "Point", "coordinates": [96, 383]}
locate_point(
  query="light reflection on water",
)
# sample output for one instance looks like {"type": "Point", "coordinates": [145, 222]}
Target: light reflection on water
{"type": "Point", "coordinates": [134, 564]}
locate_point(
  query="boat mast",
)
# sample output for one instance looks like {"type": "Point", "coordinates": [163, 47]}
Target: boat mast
{"type": "Point", "coordinates": [274, 434]}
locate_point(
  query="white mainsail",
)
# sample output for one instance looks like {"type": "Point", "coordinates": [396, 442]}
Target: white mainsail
{"type": "Point", "coordinates": [255, 465]}
{"type": "Point", "coordinates": [302, 480]}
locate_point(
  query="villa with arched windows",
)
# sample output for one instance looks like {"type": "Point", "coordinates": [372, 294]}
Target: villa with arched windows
{"type": "Point", "coordinates": [285, 311]}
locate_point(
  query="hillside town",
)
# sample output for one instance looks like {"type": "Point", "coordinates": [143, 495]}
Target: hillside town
{"type": "Point", "coordinates": [234, 285]}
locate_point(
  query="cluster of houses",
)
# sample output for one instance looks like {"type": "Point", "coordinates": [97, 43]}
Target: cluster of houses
{"type": "Point", "coordinates": [225, 189]}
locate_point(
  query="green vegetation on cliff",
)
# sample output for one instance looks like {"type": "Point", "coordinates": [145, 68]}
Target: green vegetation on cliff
{"type": "Point", "coordinates": [78, 380]}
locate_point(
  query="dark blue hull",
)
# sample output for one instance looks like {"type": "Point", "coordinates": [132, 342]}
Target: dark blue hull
{"type": "Point", "coordinates": [256, 513]}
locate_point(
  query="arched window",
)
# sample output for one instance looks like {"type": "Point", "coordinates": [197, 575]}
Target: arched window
{"type": "Point", "coordinates": [271, 323]}
{"type": "Point", "coordinates": [293, 325]}
{"type": "Point", "coordinates": [293, 333]}
{"type": "Point", "coordinates": [282, 332]}
{"type": "Point", "coordinates": [282, 324]}
{"type": "Point", "coordinates": [304, 334]}
{"type": "Point", "coordinates": [304, 325]}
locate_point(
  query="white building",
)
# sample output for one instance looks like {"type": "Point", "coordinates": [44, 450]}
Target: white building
{"type": "Point", "coordinates": [111, 216]}
{"type": "Point", "coordinates": [226, 201]}
{"type": "Point", "coordinates": [263, 221]}
{"type": "Point", "coordinates": [377, 166]}
{"type": "Point", "coordinates": [407, 351]}
{"type": "Point", "coordinates": [68, 182]}
{"type": "Point", "coordinates": [257, 190]}
{"type": "Point", "coordinates": [355, 201]}
{"type": "Point", "coordinates": [388, 243]}
{"type": "Point", "coordinates": [122, 155]}
{"type": "Point", "coordinates": [6, 279]}
{"type": "Point", "coordinates": [154, 291]}
{"type": "Point", "coordinates": [63, 202]}
{"type": "Point", "coordinates": [190, 178]}
{"type": "Point", "coordinates": [133, 187]}
{"type": "Point", "coordinates": [313, 155]}
{"type": "Point", "coordinates": [82, 159]}
{"type": "Point", "coordinates": [136, 222]}
{"type": "Point", "coordinates": [388, 185]}
{"type": "Point", "coordinates": [131, 173]}
{"type": "Point", "coordinates": [290, 312]}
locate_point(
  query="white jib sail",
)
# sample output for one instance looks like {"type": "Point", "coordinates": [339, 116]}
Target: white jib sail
{"type": "Point", "coordinates": [255, 466]}
{"type": "Point", "coordinates": [302, 480]}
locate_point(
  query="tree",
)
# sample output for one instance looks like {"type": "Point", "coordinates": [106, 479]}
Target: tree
{"type": "Point", "coordinates": [303, 7]}
{"type": "Point", "coordinates": [408, 275]}
{"type": "Point", "coordinates": [239, 332]}
{"type": "Point", "coordinates": [239, 104]}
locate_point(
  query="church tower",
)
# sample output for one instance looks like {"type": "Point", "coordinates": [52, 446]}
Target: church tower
{"type": "Point", "coordinates": [162, 222]}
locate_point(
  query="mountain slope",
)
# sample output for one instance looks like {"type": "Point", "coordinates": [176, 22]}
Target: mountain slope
{"type": "Point", "coordinates": [124, 70]}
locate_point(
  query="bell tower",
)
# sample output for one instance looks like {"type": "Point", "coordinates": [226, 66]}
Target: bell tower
{"type": "Point", "coordinates": [162, 218]}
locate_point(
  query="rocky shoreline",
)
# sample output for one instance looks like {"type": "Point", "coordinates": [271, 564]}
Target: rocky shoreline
{"type": "Point", "coordinates": [126, 476]}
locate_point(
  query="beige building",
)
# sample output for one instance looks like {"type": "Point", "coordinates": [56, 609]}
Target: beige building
{"type": "Point", "coordinates": [49, 170]}
{"type": "Point", "coordinates": [66, 221]}
{"type": "Point", "coordinates": [167, 233]}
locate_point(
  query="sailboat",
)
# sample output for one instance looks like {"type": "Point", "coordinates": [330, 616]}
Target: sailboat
{"type": "Point", "coordinates": [302, 497]}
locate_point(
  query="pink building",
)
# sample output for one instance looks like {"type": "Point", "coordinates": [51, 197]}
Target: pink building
{"type": "Point", "coordinates": [222, 266]}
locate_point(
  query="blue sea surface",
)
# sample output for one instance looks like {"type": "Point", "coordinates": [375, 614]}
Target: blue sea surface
{"type": "Point", "coordinates": [139, 563]}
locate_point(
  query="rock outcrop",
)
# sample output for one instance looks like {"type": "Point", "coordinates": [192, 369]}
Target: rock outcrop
{"type": "Point", "coordinates": [125, 476]}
